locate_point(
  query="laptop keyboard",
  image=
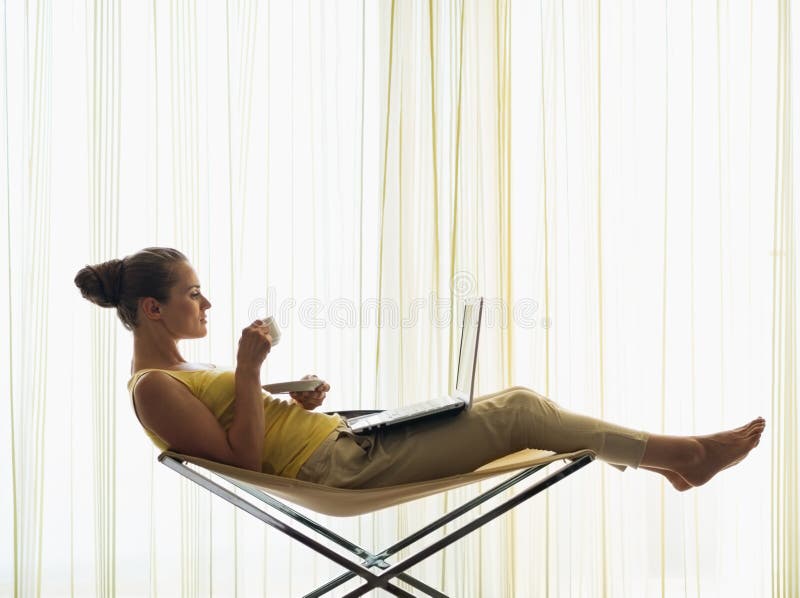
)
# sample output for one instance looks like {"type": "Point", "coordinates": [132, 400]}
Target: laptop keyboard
{"type": "Point", "coordinates": [405, 411]}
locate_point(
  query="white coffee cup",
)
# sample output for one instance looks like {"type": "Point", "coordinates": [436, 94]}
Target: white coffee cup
{"type": "Point", "coordinates": [274, 332]}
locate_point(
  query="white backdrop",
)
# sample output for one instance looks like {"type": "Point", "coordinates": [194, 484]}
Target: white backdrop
{"type": "Point", "coordinates": [615, 178]}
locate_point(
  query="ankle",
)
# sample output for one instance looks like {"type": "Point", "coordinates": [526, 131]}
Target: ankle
{"type": "Point", "coordinates": [696, 452]}
{"type": "Point", "coordinates": [672, 452]}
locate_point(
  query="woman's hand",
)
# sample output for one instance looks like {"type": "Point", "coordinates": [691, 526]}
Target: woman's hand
{"type": "Point", "coordinates": [311, 399]}
{"type": "Point", "coordinates": [254, 345]}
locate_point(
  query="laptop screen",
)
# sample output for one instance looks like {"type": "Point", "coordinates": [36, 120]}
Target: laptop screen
{"type": "Point", "coordinates": [469, 345]}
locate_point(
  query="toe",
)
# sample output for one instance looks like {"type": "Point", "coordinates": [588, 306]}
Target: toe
{"type": "Point", "coordinates": [755, 426]}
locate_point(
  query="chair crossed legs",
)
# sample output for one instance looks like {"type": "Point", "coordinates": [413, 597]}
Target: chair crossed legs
{"type": "Point", "coordinates": [341, 502]}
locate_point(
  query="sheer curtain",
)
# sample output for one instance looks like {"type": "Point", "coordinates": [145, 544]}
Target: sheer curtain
{"type": "Point", "coordinates": [615, 178]}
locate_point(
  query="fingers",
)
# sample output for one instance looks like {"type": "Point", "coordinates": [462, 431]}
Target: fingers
{"type": "Point", "coordinates": [255, 344]}
{"type": "Point", "coordinates": [323, 387]}
{"type": "Point", "coordinates": [311, 399]}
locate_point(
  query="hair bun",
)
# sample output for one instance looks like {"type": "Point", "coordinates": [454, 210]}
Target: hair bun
{"type": "Point", "coordinates": [101, 284]}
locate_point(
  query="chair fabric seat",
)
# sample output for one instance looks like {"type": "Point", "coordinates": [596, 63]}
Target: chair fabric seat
{"type": "Point", "coordinates": [345, 502]}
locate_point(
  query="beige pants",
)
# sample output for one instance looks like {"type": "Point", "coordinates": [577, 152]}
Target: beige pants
{"type": "Point", "coordinates": [498, 424]}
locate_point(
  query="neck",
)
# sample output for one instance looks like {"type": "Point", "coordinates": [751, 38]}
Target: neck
{"type": "Point", "coordinates": [151, 349]}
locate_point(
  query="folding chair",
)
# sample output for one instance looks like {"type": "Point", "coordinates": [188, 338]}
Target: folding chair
{"type": "Point", "coordinates": [345, 503]}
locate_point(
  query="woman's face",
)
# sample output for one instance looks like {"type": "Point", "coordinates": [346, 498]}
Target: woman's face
{"type": "Point", "coordinates": [185, 313]}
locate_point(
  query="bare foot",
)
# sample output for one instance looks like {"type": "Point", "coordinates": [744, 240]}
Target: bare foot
{"type": "Point", "coordinates": [715, 452]}
{"type": "Point", "coordinates": [676, 480]}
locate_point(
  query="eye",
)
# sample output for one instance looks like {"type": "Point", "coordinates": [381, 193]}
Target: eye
{"type": "Point", "coordinates": [195, 294]}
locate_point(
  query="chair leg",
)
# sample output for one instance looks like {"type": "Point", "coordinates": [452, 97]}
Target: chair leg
{"type": "Point", "coordinates": [512, 502]}
{"type": "Point", "coordinates": [379, 559]}
{"type": "Point", "coordinates": [300, 518]}
{"type": "Point", "coordinates": [400, 568]}
{"type": "Point", "coordinates": [457, 512]}
{"type": "Point", "coordinates": [247, 507]}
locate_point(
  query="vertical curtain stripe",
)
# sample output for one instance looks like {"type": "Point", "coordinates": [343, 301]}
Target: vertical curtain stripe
{"type": "Point", "coordinates": [692, 309]}
{"type": "Point", "coordinates": [383, 196]}
{"type": "Point", "coordinates": [16, 569]}
{"type": "Point", "coordinates": [784, 449]}
{"type": "Point", "coordinates": [104, 133]}
{"type": "Point", "coordinates": [456, 185]}
{"type": "Point", "coordinates": [232, 254]}
{"type": "Point", "coordinates": [245, 97]}
{"type": "Point", "coordinates": [185, 183]}
{"type": "Point", "coordinates": [39, 211]}
{"type": "Point", "coordinates": [313, 162]}
{"type": "Point", "coordinates": [229, 110]}
{"type": "Point", "coordinates": [152, 582]}
{"type": "Point", "coordinates": [152, 572]}
{"type": "Point", "coordinates": [692, 346]}
{"type": "Point", "coordinates": [156, 187]}
{"type": "Point", "coordinates": [110, 381]}
{"type": "Point", "coordinates": [600, 306]}
{"type": "Point", "coordinates": [778, 250]}
{"type": "Point", "coordinates": [292, 106]}
{"type": "Point", "coordinates": [544, 207]}
{"type": "Point", "coordinates": [174, 122]}
{"type": "Point", "coordinates": [793, 519]}
{"type": "Point", "coordinates": [546, 268]}
{"type": "Point", "coordinates": [360, 381]}
{"type": "Point", "coordinates": [506, 152]}
{"type": "Point", "coordinates": [434, 149]}
{"type": "Point", "coordinates": [663, 398]}
{"type": "Point", "coordinates": [566, 146]}
{"type": "Point", "coordinates": [505, 242]}
{"type": "Point", "coordinates": [504, 176]}
{"type": "Point", "coordinates": [721, 193]}
{"type": "Point", "coordinates": [195, 122]}
{"type": "Point", "coordinates": [72, 477]}
{"type": "Point", "coordinates": [400, 269]}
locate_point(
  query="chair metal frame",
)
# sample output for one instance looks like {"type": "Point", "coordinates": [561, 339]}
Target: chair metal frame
{"type": "Point", "coordinates": [381, 579]}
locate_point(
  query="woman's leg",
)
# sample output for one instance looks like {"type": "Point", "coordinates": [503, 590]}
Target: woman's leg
{"type": "Point", "coordinates": [518, 418]}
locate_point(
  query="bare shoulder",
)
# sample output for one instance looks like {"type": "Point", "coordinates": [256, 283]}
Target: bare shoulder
{"type": "Point", "coordinates": [157, 384]}
{"type": "Point", "coordinates": [157, 380]}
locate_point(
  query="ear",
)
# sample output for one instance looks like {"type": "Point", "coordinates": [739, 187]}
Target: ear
{"type": "Point", "coordinates": [150, 308]}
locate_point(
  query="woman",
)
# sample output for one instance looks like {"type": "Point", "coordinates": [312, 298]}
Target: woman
{"type": "Point", "coordinates": [224, 415]}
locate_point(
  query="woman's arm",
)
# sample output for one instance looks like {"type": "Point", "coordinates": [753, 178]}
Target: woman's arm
{"type": "Point", "coordinates": [246, 433]}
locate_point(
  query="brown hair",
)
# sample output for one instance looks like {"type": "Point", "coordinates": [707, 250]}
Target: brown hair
{"type": "Point", "coordinates": [120, 283]}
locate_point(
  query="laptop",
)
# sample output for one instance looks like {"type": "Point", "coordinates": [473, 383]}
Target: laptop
{"type": "Point", "coordinates": [465, 382]}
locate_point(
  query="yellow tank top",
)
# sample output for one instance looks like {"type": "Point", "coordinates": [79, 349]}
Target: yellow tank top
{"type": "Point", "coordinates": [291, 432]}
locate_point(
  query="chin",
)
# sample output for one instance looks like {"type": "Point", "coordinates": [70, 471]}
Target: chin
{"type": "Point", "coordinates": [197, 333]}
